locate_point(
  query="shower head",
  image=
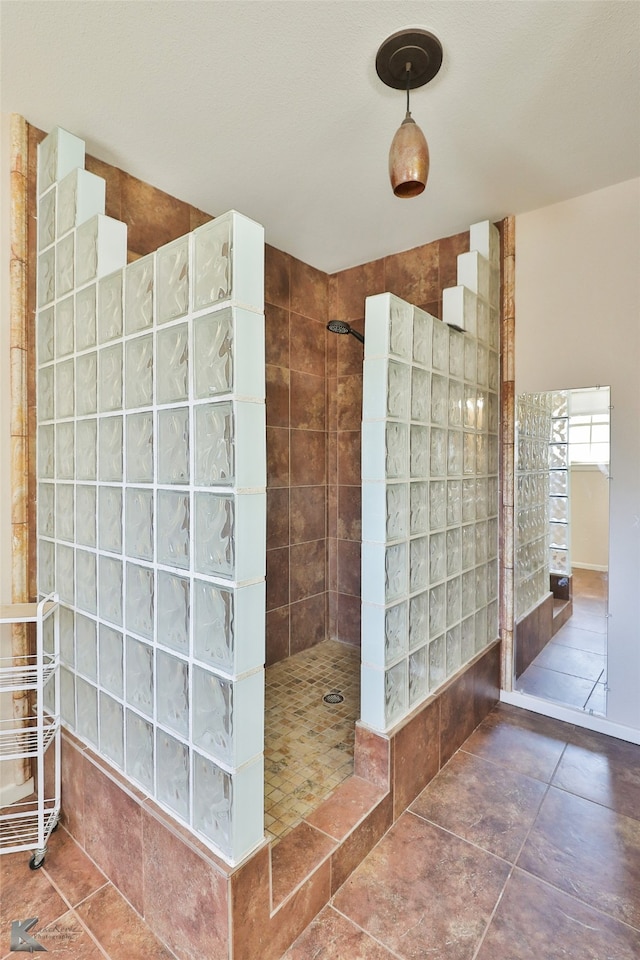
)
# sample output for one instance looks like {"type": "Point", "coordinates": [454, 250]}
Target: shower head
{"type": "Point", "coordinates": [337, 326]}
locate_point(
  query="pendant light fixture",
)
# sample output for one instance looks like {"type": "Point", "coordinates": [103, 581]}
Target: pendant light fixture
{"type": "Point", "coordinates": [406, 60]}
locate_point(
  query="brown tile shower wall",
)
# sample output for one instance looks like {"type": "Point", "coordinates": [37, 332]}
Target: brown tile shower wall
{"type": "Point", "coordinates": [418, 276]}
{"type": "Point", "coordinates": [296, 366]}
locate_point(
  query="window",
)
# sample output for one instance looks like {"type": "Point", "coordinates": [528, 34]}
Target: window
{"type": "Point", "coordinates": [589, 438]}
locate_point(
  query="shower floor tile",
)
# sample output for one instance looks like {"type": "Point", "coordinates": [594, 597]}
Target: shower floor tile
{"type": "Point", "coordinates": [308, 743]}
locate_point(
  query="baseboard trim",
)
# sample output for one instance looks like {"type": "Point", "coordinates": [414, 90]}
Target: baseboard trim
{"type": "Point", "coordinates": [589, 721]}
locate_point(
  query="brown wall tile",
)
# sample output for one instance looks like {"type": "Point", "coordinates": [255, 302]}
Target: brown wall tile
{"type": "Point", "coordinates": [349, 402]}
{"type": "Point", "coordinates": [307, 345]}
{"type": "Point", "coordinates": [276, 335]}
{"type": "Point", "coordinates": [349, 619]}
{"type": "Point", "coordinates": [486, 689]}
{"type": "Point", "coordinates": [349, 567]}
{"type": "Point", "coordinates": [457, 714]}
{"type": "Point", "coordinates": [307, 401]}
{"type": "Point", "coordinates": [277, 276]}
{"type": "Point", "coordinates": [73, 790]}
{"type": "Point", "coordinates": [308, 513]}
{"type": "Point", "coordinates": [360, 842]}
{"type": "Point", "coordinates": [308, 457]}
{"type": "Point", "coordinates": [414, 274]}
{"type": "Point", "coordinates": [277, 388]}
{"type": "Point", "coordinates": [278, 517]}
{"type": "Point", "coordinates": [308, 623]}
{"type": "Point", "coordinates": [295, 857]}
{"type": "Point", "coordinates": [307, 572]}
{"type": "Point", "coordinates": [277, 457]}
{"type": "Point", "coordinates": [349, 522]}
{"type": "Point", "coordinates": [153, 217]}
{"type": "Point", "coordinates": [353, 286]}
{"type": "Point", "coordinates": [277, 639]}
{"type": "Point", "coordinates": [416, 757]}
{"type": "Point", "coordinates": [373, 757]}
{"type": "Point", "coordinates": [349, 458]}
{"type": "Point", "coordinates": [277, 577]}
{"type": "Point", "coordinates": [309, 289]}
{"type": "Point", "coordinates": [450, 248]}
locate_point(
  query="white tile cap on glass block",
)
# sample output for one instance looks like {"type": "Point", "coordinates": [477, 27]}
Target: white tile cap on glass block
{"type": "Point", "coordinates": [385, 633]}
{"type": "Point", "coordinates": [460, 309]}
{"type": "Point", "coordinates": [388, 327]}
{"type": "Point", "coordinates": [228, 716]}
{"type": "Point", "coordinates": [473, 272]}
{"type": "Point", "coordinates": [229, 810]}
{"type": "Point", "coordinates": [386, 389]}
{"type": "Point", "coordinates": [385, 511]}
{"type": "Point", "coordinates": [101, 248]}
{"type": "Point", "coordinates": [81, 195]}
{"type": "Point", "coordinates": [228, 626]}
{"type": "Point", "coordinates": [228, 263]}
{"type": "Point", "coordinates": [384, 572]}
{"type": "Point", "coordinates": [485, 238]}
{"type": "Point", "coordinates": [58, 154]}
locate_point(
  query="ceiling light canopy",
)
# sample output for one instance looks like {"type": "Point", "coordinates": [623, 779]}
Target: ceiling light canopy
{"type": "Point", "coordinates": [406, 60]}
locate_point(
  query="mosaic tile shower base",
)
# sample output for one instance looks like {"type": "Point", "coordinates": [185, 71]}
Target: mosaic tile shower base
{"type": "Point", "coordinates": [308, 743]}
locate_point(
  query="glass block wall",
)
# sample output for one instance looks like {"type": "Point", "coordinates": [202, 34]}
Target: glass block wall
{"type": "Point", "coordinates": [533, 430]}
{"type": "Point", "coordinates": [151, 497]}
{"type": "Point", "coordinates": [559, 486]}
{"type": "Point", "coordinates": [430, 486]}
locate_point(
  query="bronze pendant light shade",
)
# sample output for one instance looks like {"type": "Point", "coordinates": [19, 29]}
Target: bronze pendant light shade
{"type": "Point", "coordinates": [406, 60]}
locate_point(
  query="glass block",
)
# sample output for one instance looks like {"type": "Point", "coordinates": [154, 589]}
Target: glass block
{"type": "Point", "coordinates": [419, 509]}
{"type": "Point", "coordinates": [214, 444]}
{"type": "Point", "coordinates": [559, 509]}
{"type": "Point", "coordinates": [560, 404]}
{"type": "Point", "coordinates": [492, 579]}
{"type": "Point", "coordinates": [110, 519]}
{"type": "Point", "coordinates": [138, 386]}
{"type": "Point", "coordinates": [396, 450]}
{"type": "Point", "coordinates": [440, 346]}
{"type": "Point", "coordinates": [418, 620]}
{"type": "Point", "coordinates": [64, 389]}
{"type": "Point", "coordinates": [481, 586]}
{"type": "Point", "coordinates": [86, 384]}
{"type": "Point", "coordinates": [86, 647]}
{"type": "Point", "coordinates": [110, 307]}
{"type": "Point", "coordinates": [437, 609]}
{"type": "Point", "coordinates": [396, 691]}
{"type": "Point", "coordinates": [418, 676]}
{"type": "Point", "coordinates": [470, 407]}
{"type": "Point", "coordinates": [494, 371]}
{"type": "Point", "coordinates": [395, 564]}
{"type": "Point", "coordinates": [455, 403]}
{"type": "Point", "coordinates": [86, 314]}
{"type": "Point", "coordinates": [558, 456]}
{"type": "Point", "coordinates": [172, 773]}
{"type": "Point", "coordinates": [140, 447]}
{"type": "Point", "coordinates": [64, 265]}
{"type": "Point", "coordinates": [64, 573]}
{"type": "Point", "coordinates": [172, 692]}
{"type": "Point", "coordinates": [110, 378]}
{"type": "Point", "coordinates": [396, 511]}
{"type": "Point", "coordinates": [467, 639]}
{"type": "Point", "coordinates": [213, 354]}
{"type": "Point", "coordinates": [212, 263]}
{"type": "Point", "coordinates": [67, 697]}
{"type": "Point", "coordinates": [454, 453]}
{"type": "Point", "coordinates": [456, 354]}
{"type": "Point", "coordinates": [86, 515]}
{"type": "Point", "coordinates": [110, 449]}
{"type": "Point", "coordinates": [46, 566]}
{"type": "Point", "coordinates": [110, 589]}
{"type": "Point", "coordinates": [482, 543]}
{"type": "Point", "coordinates": [46, 510]}
{"type": "Point", "coordinates": [454, 551]}
{"type": "Point", "coordinates": [558, 535]}
{"type": "Point", "coordinates": [419, 461]}
{"type": "Point", "coordinates": [482, 457]}
{"type": "Point", "coordinates": [140, 598]}
{"type": "Point", "coordinates": [493, 413]}
{"type": "Point", "coordinates": [86, 586]}
{"type": "Point", "coordinates": [437, 662]}
{"type": "Point", "coordinates": [212, 802]}
{"type": "Point", "coordinates": [213, 714]}
{"type": "Point", "coordinates": [454, 502]}
{"type": "Point", "coordinates": [482, 498]}
{"type": "Point", "coordinates": [47, 220]}
{"type": "Point", "coordinates": [468, 454]}
{"type": "Point", "coordinates": [400, 328]}
{"type": "Point", "coordinates": [395, 632]}
{"type": "Point", "coordinates": [453, 653]}
{"type": "Point", "coordinates": [86, 439]}
{"type": "Point", "coordinates": [493, 627]}
{"type": "Point", "coordinates": [112, 729]}
{"type": "Point", "coordinates": [46, 277]}
{"type": "Point", "coordinates": [172, 364]}
{"type": "Point", "coordinates": [468, 500]}
{"type": "Point", "coordinates": [398, 388]}
{"type": "Point", "coordinates": [437, 504]}
{"type": "Point", "coordinates": [139, 764]}
{"type": "Point", "coordinates": [87, 725]}
{"type": "Point", "coordinates": [439, 399]}
{"type": "Point", "coordinates": [45, 335]}
{"type": "Point", "coordinates": [111, 660]}
{"type": "Point", "coordinates": [438, 452]}
{"type": "Point", "coordinates": [214, 624]}
{"type": "Point", "coordinates": [139, 523]}
{"type": "Point", "coordinates": [173, 528]}
{"type": "Point", "coordinates": [422, 324]}
{"type": "Point", "coordinates": [420, 394]}
{"type": "Point", "coordinates": [470, 357]}
{"type": "Point", "coordinates": [483, 365]}
{"type": "Point", "coordinates": [418, 564]}
{"type": "Point", "coordinates": [46, 451]}
{"type": "Point", "coordinates": [67, 645]}
{"type": "Point", "coordinates": [172, 267]}
{"type": "Point", "coordinates": [173, 445]}
{"type": "Point", "coordinates": [65, 511]}
{"type": "Point", "coordinates": [468, 592]}
{"type": "Point", "coordinates": [437, 557]}
{"type": "Point", "coordinates": [559, 561]}
{"type": "Point", "coordinates": [139, 673]}
{"type": "Point", "coordinates": [64, 314]}
{"type": "Point", "coordinates": [173, 611]}
{"type": "Point", "coordinates": [481, 629]}
{"type": "Point", "coordinates": [64, 451]}
{"type": "Point", "coordinates": [558, 483]}
{"type": "Point", "coordinates": [139, 294]}
{"type": "Point", "coordinates": [45, 393]}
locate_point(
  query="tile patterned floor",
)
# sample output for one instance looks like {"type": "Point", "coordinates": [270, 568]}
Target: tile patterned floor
{"type": "Point", "coordinates": [526, 846]}
{"type": "Point", "coordinates": [572, 667]}
{"type": "Point", "coordinates": [308, 743]}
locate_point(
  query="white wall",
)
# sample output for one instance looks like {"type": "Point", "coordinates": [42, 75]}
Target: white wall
{"type": "Point", "coordinates": [578, 325]}
{"type": "Point", "coordinates": [589, 518]}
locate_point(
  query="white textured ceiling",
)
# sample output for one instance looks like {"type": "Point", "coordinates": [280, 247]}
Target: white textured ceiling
{"type": "Point", "coordinates": [274, 108]}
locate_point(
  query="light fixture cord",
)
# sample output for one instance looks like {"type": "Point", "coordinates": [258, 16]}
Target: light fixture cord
{"type": "Point", "coordinates": [408, 81]}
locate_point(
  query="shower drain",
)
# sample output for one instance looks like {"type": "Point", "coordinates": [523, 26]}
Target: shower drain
{"type": "Point", "coordinates": [333, 697]}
